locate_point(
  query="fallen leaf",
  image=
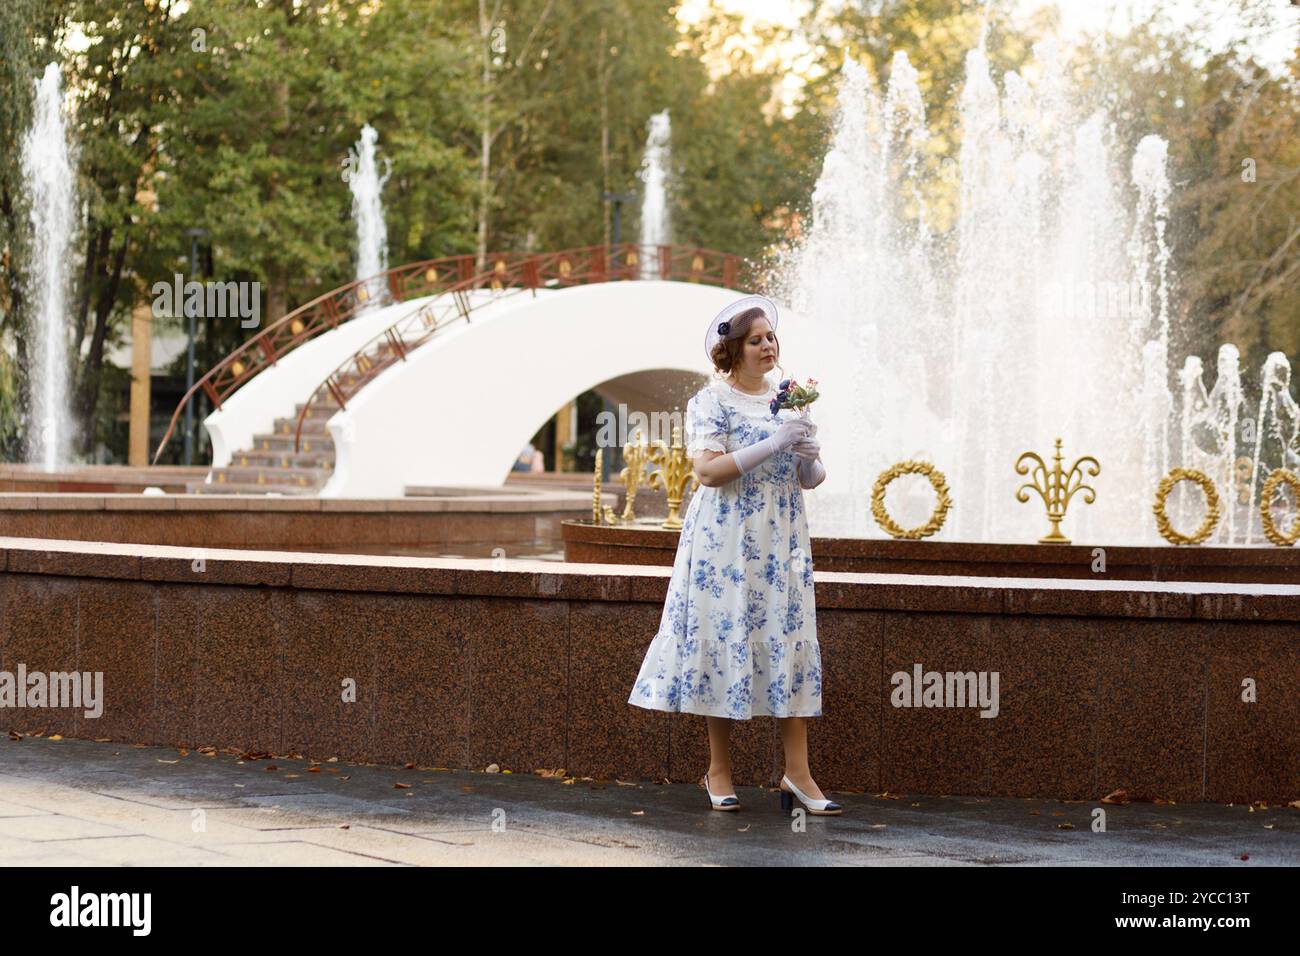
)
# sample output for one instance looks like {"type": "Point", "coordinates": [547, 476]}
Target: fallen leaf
{"type": "Point", "coordinates": [313, 769]}
{"type": "Point", "coordinates": [1245, 856]}
{"type": "Point", "coordinates": [103, 740]}
{"type": "Point", "coordinates": [272, 766]}
{"type": "Point", "coordinates": [1065, 826]}
{"type": "Point", "coordinates": [1116, 796]}
{"type": "Point", "coordinates": [638, 813]}
{"type": "Point", "coordinates": [402, 786]}
{"type": "Point", "coordinates": [160, 760]}
{"type": "Point", "coordinates": [56, 736]}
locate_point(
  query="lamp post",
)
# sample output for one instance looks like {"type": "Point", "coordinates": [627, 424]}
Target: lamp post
{"type": "Point", "coordinates": [194, 236]}
{"type": "Point", "coordinates": [618, 199]}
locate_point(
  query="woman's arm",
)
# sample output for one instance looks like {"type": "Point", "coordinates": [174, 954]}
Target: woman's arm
{"type": "Point", "coordinates": [811, 472]}
{"type": "Point", "coordinates": [715, 468]}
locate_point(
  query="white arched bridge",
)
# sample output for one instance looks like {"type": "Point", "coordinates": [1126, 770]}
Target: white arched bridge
{"type": "Point", "coordinates": [438, 373]}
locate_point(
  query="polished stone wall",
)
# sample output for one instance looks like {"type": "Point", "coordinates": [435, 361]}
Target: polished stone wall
{"type": "Point", "coordinates": [507, 516]}
{"type": "Point", "coordinates": [529, 664]}
{"type": "Point", "coordinates": [647, 543]}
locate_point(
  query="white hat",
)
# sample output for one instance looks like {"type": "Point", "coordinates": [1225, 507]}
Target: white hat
{"type": "Point", "coordinates": [714, 335]}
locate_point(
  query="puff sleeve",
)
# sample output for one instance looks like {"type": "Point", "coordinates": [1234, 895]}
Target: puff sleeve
{"type": "Point", "coordinates": [707, 423]}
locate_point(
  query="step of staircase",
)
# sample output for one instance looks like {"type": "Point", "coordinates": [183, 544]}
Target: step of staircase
{"type": "Point", "coordinates": [282, 443]}
{"type": "Point", "coordinates": [317, 410]}
{"type": "Point", "coordinates": [286, 458]}
{"type": "Point", "coordinates": [310, 426]}
{"type": "Point", "coordinates": [272, 475]}
{"type": "Point", "coordinates": [202, 488]}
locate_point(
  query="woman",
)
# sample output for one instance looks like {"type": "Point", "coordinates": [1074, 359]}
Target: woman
{"type": "Point", "coordinates": [738, 636]}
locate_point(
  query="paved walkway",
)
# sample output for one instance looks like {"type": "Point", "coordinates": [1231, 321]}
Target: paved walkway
{"type": "Point", "coordinates": [76, 802]}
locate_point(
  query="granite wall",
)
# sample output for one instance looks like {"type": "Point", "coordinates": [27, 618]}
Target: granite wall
{"type": "Point", "coordinates": [529, 664]}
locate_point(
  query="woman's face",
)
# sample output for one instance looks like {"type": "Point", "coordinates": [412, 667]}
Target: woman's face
{"type": "Point", "coordinates": [760, 352]}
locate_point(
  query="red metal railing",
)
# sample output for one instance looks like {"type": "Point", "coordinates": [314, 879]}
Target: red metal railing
{"type": "Point", "coordinates": [455, 275]}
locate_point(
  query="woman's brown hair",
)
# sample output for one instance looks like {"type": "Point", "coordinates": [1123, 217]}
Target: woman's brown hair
{"type": "Point", "coordinates": [726, 353]}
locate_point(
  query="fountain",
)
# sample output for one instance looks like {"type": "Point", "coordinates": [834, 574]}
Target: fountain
{"type": "Point", "coordinates": [655, 224]}
{"type": "Point", "coordinates": [368, 212]}
{"type": "Point", "coordinates": [50, 184]}
{"type": "Point", "coordinates": [1047, 314]}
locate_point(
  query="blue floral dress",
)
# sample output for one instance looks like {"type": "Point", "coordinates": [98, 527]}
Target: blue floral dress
{"type": "Point", "coordinates": [738, 635]}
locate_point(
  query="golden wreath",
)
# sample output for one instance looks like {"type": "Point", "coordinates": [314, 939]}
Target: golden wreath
{"type": "Point", "coordinates": [1275, 478]}
{"type": "Point", "coordinates": [937, 480]}
{"type": "Point", "coordinates": [1212, 512]}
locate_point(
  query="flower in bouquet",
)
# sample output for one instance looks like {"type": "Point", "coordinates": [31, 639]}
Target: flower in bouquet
{"type": "Point", "coordinates": [790, 394]}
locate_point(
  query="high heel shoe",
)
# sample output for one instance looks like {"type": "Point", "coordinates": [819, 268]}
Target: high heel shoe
{"type": "Point", "coordinates": [728, 802]}
{"type": "Point", "coordinates": [817, 807]}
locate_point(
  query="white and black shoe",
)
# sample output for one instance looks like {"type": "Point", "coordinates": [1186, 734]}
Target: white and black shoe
{"type": "Point", "coordinates": [818, 807]}
{"type": "Point", "coordinates": [728, 802]}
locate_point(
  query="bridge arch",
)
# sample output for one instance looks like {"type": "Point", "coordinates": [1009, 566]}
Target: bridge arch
{"type": "Point", "coordinates": [458, 409]}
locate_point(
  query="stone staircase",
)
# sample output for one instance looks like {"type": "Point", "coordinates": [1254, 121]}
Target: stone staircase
{"type": "Point", "coordinates": [272, 466]}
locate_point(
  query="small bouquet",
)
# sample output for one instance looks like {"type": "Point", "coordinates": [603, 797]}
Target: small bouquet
{"type": "Point", "coordinates": [790, 394]}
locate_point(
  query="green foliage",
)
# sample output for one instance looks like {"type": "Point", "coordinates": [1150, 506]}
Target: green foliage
{"type": "Point", "coordinates": [236, 116]}
{"type": "Point", "coordinates": [1233, 129]}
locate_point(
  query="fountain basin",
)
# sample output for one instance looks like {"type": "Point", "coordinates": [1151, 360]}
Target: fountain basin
{"type": "Point", "coordinates": [648, 544]}
{"type": "Point", "coordinates": [517, 519]}
{"type": "Point", "coordinates": [528, 664]}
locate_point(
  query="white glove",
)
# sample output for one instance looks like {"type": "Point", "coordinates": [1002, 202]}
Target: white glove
{"type": "Point", "coordinates": [807, 448]}
{"type": "Point", "coordinates": [811, 472]}
{"type": "Point", "coordinates": [751, 456]}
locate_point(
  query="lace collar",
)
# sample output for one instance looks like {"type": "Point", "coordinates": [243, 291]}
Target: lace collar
{"type": "Point", "coordinates": [725, 388]}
